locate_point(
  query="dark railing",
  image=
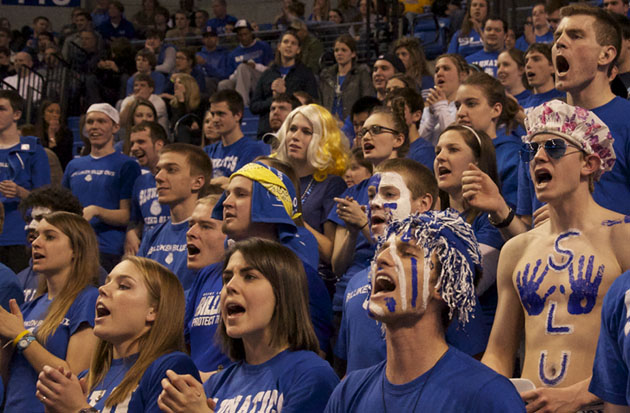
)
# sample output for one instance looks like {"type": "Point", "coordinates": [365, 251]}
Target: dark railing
{"type": "Point", "coordinates": [64, 84]}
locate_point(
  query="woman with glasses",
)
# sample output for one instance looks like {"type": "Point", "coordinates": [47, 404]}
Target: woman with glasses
{"type": "Point", "coordinates": [384, 136]}
{"type": "Point", "coordinates": [461, 148]}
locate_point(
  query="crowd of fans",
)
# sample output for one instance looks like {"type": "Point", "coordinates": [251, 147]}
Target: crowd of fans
{"type": "Point", "coordinates": [395, 234]}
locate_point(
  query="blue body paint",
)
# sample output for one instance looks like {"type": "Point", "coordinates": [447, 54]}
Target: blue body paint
{"type": "Point", "coordinates": [568, 253]}
{"type": "Point", "coordinates": [611, 222]}
{"type": "Point", "coordinates": [562, 289]}
{"type": "Point", "coordinates": [584, 289]}
{"type": "Point", "coordinates": [528, 289]}
{"type": "Point", "coordinates": [390, 205]}
{"type": "Point", "coordinates": [552, 381]}
{"type": "Point", "coordinates": [391, 304]}
{"type": "Point", "coordinates": [414, 281]}
{"type": "Point", "coordinates": [551, 329]}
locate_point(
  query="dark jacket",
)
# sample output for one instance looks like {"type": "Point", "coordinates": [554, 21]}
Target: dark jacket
{"type": "Point", "coordinates": [358, 83]}
{"type": "Point", "coordinates": [299, 77]}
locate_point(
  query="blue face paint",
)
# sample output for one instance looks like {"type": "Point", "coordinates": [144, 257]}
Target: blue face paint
{"type": "Point", "coordinates": [553, 329]}
{"type": "Point", "coordinates": [390, 205]}
{"type": "Point", "coordinates": [528, 289]}
{"type": "Point", "coordinates": [567, 252]}
{"type": "Point", "coordinates": [611, 222]}
{"type": "Point", "coordinates": [391, 304]}
{"type": "Point", "coordinates": [552, 381]}
{"type": "Point", "coordinates": [414, 281]}
{"type": "Point", "coordinates": [584, 288]}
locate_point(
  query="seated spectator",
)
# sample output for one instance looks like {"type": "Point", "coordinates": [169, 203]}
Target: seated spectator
{"type": "Point", "coordinates": [44, 39]}
{"type": "Point", "coordinates": [312, 48]}
{"type": "Point", "coordinates": [335, 16]}
{"type": "Point", "coordinates": [234, 150]}
{"type": "Point", "coordinates": [247, 62]}
{"type": "Point", "coordinates": [139, 322]}
{"type": "Point", "coordinates": [143, 88]}
{"type": "Point", "coordinates": [285, 75]}
{"type": "Point", "coordinates": [106, 197]}
{"type": "Point", "coordinates": [110, 81]}
{"type": "Point", "coordinates": [511, 74]}
{"type": "Point", "coordinates": [540, 76]}
{"type": "Point", "coordinates": [65, 252]}
{"type": "Point", "coordinates": [493, 43]}
{"type": "Point", "coordinates": [209, 132]}
{"type": "Point", "coordinates": [349, 10]}
{"type": "Point", "coordinates": [145, 64]}
{"type": "Point", "coordinates": [510, 39]}
{"type": "Point", "coordinates": [410, 52]}
{"type": "Point", "coordinates": [25, 81]}
{"type": "Point", "coordinates": [182, 30]}
{"type": "Point", "coordinates": [439, 111]}
{"type": "Point", "coordinates": [165, 52]}
{"type": "Point", "coordinates": [161, 21]}
{"type": "Point", "coordinates": [281, 105]}
{"type": "Point", "coordinates": [117, 25]}
{"type": "Point", "coordinates": [399, 81]}
{"type": "Point", "coordinates": [358, 168]}
{"type": "Point", "coordinates": [6, 66]}
{"type": "Point", "coordinates": [221, 19]}
{"type": "Point", "coordinates": [455, 380]}
{"type": "Point", "coordinates": [144, 18]}
{"type": "Point", "coordinates": [100, 12]}
{"type": "Point", "coordinates": [200, 19]}
{"type": "Point", "coordinates": [135, 111]}
{"type": "Point", "coordinates": [319, 12]}
{"type": "Point", "coordinates": [185, 64]}
{"type": "Point", "coordinates": [186, 98]}
{"type": "Point", "coordinates": [538, 31]}
{"type": "Point", "coordinates": [384, 67]}
{"type": "Point", "coordinates": [82, 20]}
{"type": "Point", "coordinates": [291, 10]}
{"type": "Point", "coordinates": [41, 24]}
{"type": "Point", "coordinates": [90, 52]}
{"type": "Point", "coordinates": [467, 40]}
{"type": "Point", "coordinates": [183, 173]}
{"type": "Point", "coordinates": [289, 364]}
{"type": "Point", "coordinates": [212, 58]}
{"type": "Point", "coordinates": [54, 133]}
{"type": "Point", "coordinates": [346, 81]}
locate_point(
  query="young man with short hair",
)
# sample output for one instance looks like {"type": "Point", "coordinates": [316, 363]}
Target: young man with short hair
{"type": "Point", "coordinates": [538, 31]}
{"type": "Point", "coordinates": [182, 30]}
{"type": "Point", "coordinates": [183, 173]}
{"type": "Point", "coordinates": [540, 75]}
{"type": "Point", "coordinates": [234, 150]}
{"type": "Point", "coordinates": [165, 52]}
{"type": "Point", "coordinates": [494, 30]}
{"type": "Point", "coordinates": [423, 277]}
{"type": "Point", "coordinates": [212, 58]}
{"type": "Point", "coordinates": [147, 139]}
{"type": "Point", "coordinates": [23, 167]}
{"type": "Point", "coordinates": [145, 64]}
{"type": "Point", "coordinates": [616, 6]}
{"type": "Point", "coordinates": [116, 25]}
{"type": "Point", "coordinates": [385, 66]}
{"type": "Point", "coordinates": [102, 181]}
{"type": "Point", "coordinates": [281, 105]}
{"type": "Point", "coordinates": [144, 87]}
{"type": "Point", "coordinates": [221, 19]}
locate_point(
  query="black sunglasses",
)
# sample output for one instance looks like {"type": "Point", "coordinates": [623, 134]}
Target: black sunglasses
{"type": "Point", "coordinates": [376, 129]}
{"type": "Point", "coordinates": [555, 148]}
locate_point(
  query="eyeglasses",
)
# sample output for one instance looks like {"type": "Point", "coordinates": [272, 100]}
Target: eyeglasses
{"type": "Point", "coordinates": [376, 129]}
{"type": "Point", "coordinates": [555, 148]}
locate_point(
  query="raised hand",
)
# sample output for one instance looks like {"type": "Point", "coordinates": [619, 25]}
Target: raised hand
{"type": "Point", "coordinates": [583, 288]}
{"type": "Point", "coordinates": [528, 289]}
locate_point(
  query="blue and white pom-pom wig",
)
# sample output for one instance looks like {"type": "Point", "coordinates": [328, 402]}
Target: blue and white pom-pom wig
{"type": "Point", "coordinates": [446, 234]}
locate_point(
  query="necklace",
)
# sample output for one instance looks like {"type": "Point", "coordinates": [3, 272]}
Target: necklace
{"type": "Point", "coordinates": [421, 389]}
{"type": "Point", "coordinates": [308, 190]}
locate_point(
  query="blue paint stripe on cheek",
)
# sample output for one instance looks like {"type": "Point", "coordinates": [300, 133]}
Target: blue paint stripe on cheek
{"type": "Point", "coordinates": [414, 281]}
{"type": "Point", "coordinates": [391, 304]}
{"type": "Point", "coordinates": [390, 205]}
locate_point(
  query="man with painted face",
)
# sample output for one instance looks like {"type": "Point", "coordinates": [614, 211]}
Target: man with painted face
{"type": "Point", "coordinates": [260, 201]}
{"type": "Point", "coordinates": [551, 280]}
{"type": "Point", "coordinates": [422, 277]}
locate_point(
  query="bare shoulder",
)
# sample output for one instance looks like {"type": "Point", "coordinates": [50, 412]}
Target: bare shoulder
{"type": "Point", "coordinates": [618, 228]}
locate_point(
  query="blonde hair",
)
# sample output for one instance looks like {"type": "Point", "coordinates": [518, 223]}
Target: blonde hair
{"type": "Point", "coordinates": [83, 269]}
{"type": "Point", "coordinates": [166, 335]}
{"type": "Point", "coordinates": [328, 152]}
{"type": "Point", "coordinates": [192, 97]}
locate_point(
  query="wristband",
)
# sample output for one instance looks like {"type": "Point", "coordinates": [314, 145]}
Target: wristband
{"type": "Point", "coordinates": [19, 337]}
{"type": "Point", "coordinates": [506, 222]}
{"type": "Point", "coordinates": [363, 226]}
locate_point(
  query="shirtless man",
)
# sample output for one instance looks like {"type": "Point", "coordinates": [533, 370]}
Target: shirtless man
{"type": "Point", "coordinates": [552, 280]}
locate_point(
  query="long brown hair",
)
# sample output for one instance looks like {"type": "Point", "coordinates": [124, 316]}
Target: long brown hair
{"type": "Point", "coordinates": [466, 25]}
{"type": "Point", "coordinates": [166, 335]}
{"type": "Point", "coordinates": [419, 66]}
{"type": "Point", "coordinates": [494, 92]}
{"type": "Point", "coordinates": [290, 324]}
{"type": "Point", "coordinates": [83, 268]}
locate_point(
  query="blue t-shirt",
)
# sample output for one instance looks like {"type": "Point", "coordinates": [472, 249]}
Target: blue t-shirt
{"type": "Point", "coordinates": [317, 198]}
{"type": "Point", "coordinates": [124, 29]}
{"type": "Point", "coordinates": [291, 382]}
{"type": "Point", "coordinates": [361, 340]}
{"type": "Point", "coordinates": [203, 314]}
{"type": "Point", "coordinates": [540, 98]}
{"type": "Point", "coordinates": [364, 250]}
{"type": "Point", "coordinates": [145, 207]}
{"type": "Point", "coordinates": [144, 397]}
{"type": "Point", "coordinates": [216, 62]}
{"type": "Point", "coordinates": [103, 182]}
{"type": "Point", "coordinates": [487, 61]}
{"type": "Point", "coordinates": [228, 159]}
{"type": "Point", "coordinates": [457, 383]}
{"type": "Point", "coordinates": [218, 25]}
{"type": "Point", "coordinates": [259, 52]}
{"type": "Point", "coordinates": [422, 152]}
{"type": "Point", "coordinates": [523, 96]}
{"type": "Point", "coordinates": [166, 244]}
{"type": "Point", "coordinates": [158, 78]}
{"type": "Point", "coordinates": [21, 385]}
{"type": "Point", "coordinates": [465, 45]}
{"type": "Point", "coordinates": [507, 149]}
{"type": "Point", "coordinates": [9, 287]}
{"type": "Point", "coordinates": [610, 379]}
{"type": "Point", "coordinates": [522, 45]}
{"type": "Point", "coordinates": [26, 164]}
